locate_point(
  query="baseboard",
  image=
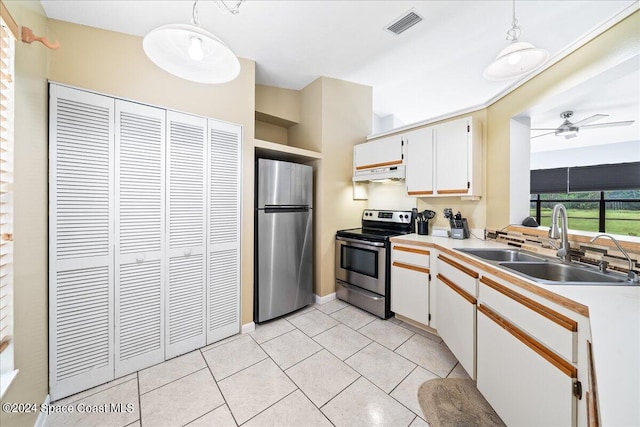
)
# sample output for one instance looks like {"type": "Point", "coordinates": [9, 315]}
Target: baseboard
{"type": "Point", "coordinates": [248, 327]}
{"type": "Point", "coordinates": [325, 299]}
{"type": "Point", "coordinates": [42, 416]}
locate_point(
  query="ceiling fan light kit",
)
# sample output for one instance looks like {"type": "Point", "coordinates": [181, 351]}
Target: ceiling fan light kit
{"type": "Point", "coordinates": [517, 58]}
{"type": "Point", "coordinates": [191, 53]}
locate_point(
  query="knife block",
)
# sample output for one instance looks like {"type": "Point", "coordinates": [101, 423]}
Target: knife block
{"type": "Point", "coordinates": [459, 228]}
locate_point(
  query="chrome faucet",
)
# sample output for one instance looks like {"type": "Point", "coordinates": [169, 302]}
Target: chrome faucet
{"type": "Point", "coordinates": [632, 275]}
{"type": "Point", "coordinates": [554, 233]}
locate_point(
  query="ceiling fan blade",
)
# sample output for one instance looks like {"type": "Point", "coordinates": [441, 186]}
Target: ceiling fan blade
{"type": "Point", "coordinates": [590, 119]}
{"type": "Point", "coordinates": [610, 124]}
{"type": "Point", "coordinates": [543, 134]}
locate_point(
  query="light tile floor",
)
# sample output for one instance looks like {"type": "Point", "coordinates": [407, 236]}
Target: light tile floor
{"type": "Point", "coordinates": [324, 365]}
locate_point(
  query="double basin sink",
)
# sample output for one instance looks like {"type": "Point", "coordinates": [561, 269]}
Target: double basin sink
{"type": "Point", "coordinates": [546, 270]}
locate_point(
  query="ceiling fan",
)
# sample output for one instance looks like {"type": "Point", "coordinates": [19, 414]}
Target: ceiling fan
{"type": "Point", "coordinates": [570, 130]}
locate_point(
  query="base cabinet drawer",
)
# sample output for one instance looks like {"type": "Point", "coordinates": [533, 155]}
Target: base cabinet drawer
{"type": "Point", "coordinates": [525, 387]}
{"type": "Point", "coordinates": [457, 322]}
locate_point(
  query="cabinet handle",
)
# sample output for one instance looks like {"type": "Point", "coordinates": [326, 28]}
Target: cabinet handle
{"type": "Point", "coordinates": [411, 267]}
{"type": "Point", "coordinates": [188, 252]}
{"type": "Point", "coordinates": [460, 267]}
{"type": "Point", "coordinates": [464, 191]}
{"type": "Point", "coordinates": [542, 310]}
{"type": "Point", "coordinates": [420, 193]}
{"type": "Point", "coordinates": [379, 165]}
{"type": "Point", "coordinates": [140, 258]}
{"type": "Point", "coordinates": [457, 289]}
{"type": "Point", "coordinates": [412, 250]}
{"type": "Point", "coordinates": [564, 366]}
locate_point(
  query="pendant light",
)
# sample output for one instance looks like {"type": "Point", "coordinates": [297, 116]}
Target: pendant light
{"type": "Point", "coordinates": [191, 52]}
{"type": "Point", "coordinates": [517, 58]}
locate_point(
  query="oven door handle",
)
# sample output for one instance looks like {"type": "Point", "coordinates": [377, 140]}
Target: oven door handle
{"type": "Point", "coordinates": [360, 243]}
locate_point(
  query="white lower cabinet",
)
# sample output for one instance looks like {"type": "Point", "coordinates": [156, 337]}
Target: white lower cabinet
{"type": "Point", "coordinates": [456, 308]}
{"type": "Point", "coordinates": [523, 382]}
{"type": "Point", "coordinates": [410, 282]}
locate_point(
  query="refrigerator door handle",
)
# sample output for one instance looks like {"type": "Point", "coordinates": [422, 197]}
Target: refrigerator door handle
{"type": "Point", "coordinates": [285, 208]}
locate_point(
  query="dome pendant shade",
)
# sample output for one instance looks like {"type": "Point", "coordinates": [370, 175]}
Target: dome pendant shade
{"type": "Point", "coordinates": [191, 53]}
{"type": "Point", "coordinates": [516, 59]}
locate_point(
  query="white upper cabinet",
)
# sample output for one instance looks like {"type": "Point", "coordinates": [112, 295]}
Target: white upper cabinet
{"type": "Point", "coordinates": [419, 173]}
{"type": "Point", "coordinates": [458, 158]}
{"type": "Point", "coordinates": [379, 159]}
{"type": "Point", "coordinates": [445, 160]}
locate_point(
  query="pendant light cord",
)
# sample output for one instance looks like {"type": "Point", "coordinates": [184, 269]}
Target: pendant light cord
{"type": "Point", "coordinates": [514, 32]}
{"type": "Point", "coordinates": [194, 18]}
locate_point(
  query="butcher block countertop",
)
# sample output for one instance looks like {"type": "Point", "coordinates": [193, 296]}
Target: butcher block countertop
{"type": "Point", "coordinates": [614, 318]}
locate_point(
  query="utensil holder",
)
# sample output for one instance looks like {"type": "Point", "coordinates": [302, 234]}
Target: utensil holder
{"type": "Point", "coordinates": [423, 228]}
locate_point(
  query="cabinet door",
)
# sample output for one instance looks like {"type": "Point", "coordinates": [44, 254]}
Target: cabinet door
{"type": "Point", "coordinates": [379, 153]}
{"type": "Point", "coordinates": [223, 216]}
{"type": "Point", "coordinates": [81, 164]}
{"type": "Point", "coordinates": [140, 198]}
{"type": "Point", "coordinates": [410, 291]}
{"type": "Point", "coordinates": [457, 322]}
{"type": "Point", "coordinates": [525, 383]}
{"type": "Point", "coordinates": [452, 157]}
{"type": "Point", "coordinates": [419, 173]}
{"type": "Point", "coordinates": [186, 173]}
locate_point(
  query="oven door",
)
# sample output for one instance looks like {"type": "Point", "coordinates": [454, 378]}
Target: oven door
{"type": "Point", "coordinates": [361, 263]}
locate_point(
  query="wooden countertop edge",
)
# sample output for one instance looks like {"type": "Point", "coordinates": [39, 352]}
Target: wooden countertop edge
{"type": "Point", "coordinates": [517, 281]}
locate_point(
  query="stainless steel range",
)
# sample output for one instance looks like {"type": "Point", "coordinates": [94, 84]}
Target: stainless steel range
{"type": "Point", "coordinates": [363, 258]}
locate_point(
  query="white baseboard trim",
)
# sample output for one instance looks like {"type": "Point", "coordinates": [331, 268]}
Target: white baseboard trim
{"type": "Point", "coordinates": [325, 299]}
{"type": "Point", "coordinates": [248, 327]}
{"type": "Point", "coordinates": [42, 416]}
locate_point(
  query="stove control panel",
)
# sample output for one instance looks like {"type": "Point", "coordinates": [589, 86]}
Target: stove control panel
{"type": "Point", "coordinates": [400, 217]}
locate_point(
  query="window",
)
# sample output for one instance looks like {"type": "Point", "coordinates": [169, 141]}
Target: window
{"type": "Point", "coordinates": [600, 198]}
{"type": "Point", "coordinates": [7, 46]}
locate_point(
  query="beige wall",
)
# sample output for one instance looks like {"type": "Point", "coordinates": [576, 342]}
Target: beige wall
{"type": "Point", "coordinates": [335, 115]}
{"type": "Point", "coordinates": [610, 48]}
{"type": "Point", "coordinates": [115, 64]}
{"type": "Point", "coordinates": [270, 132]}
{"type": "Point", "coordinates": [278, 102]}
{"type": "Point", "coordinates": [30, 221]}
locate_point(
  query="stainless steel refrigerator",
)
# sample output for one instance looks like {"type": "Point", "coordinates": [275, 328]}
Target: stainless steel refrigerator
{"type": "Point", "coordinates": [284, 238]}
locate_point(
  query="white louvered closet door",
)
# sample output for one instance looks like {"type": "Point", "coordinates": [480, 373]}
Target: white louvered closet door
{"type": "Point", "coordinates": [186, 173]}
{"type": "Point", "coordinates": [140, 236]}
{"type": "Point", "coordinates": [223, 233]}
{"type": "Point", "coordinates": [81, 341]}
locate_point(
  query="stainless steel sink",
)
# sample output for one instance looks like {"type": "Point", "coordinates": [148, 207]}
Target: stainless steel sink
{"type": "Point", "coordinates": [563, 274]}
{"type": "Point", "coordinates": [511, 255]}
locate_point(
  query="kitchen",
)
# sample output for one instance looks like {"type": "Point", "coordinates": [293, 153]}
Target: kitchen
{"type": "Point", "coordinates": [330, 113]}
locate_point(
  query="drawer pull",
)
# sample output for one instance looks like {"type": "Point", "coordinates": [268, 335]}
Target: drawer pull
{"type": "Point", "coordinates": [550, 314]}
{"type": "Point", "coordinates": [564, 366]}
{"type": "Point", "coordinates": [412, 250]}
{"type": "Point", "coordinates": [420, 193]}
{"type": "Point", "coordinates": [460, 267]}
{"type": "Point", "coordinates": [411, 267]}
{"type": "Point", "coordinates": [457, 289]}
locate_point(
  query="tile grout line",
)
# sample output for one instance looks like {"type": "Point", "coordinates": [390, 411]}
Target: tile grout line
{"type": "Point", "coordinates": [273, 404]}
{"type": "Point", "coordinates": [57, 402]}
{"type": "Point", "coordinates": [224, 399]}
{"type": "Point", "coordinates": [139, 397]}
{"type": "Point", "coordinates": [206, 413]}
{"type": "Point", "coordinates": [170, 382]}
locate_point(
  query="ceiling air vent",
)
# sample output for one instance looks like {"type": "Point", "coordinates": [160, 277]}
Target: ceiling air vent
{"type": "Point", "coordinates": [405, 22]}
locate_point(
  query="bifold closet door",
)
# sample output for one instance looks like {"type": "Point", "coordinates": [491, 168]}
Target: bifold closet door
{"type": "Point", "coordinates": [223, 246]}
{"type": "Point", "coordinates": [140, 236]}
{"type": "Point", "coordinates": [81, 241]}
{"type": "Point", "coordinates": [186, 181]}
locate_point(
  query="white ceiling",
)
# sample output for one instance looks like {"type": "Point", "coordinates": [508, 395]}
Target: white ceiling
{"type": "Point", "coordinates": [432, 69]}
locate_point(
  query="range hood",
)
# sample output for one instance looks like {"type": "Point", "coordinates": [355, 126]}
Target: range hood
{"type": "Point", "coordinates": [384, 173]}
